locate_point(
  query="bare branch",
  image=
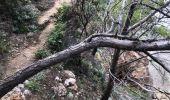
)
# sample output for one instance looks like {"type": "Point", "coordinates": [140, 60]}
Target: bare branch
{"type": "Point", "coordinates": [157, 61]}
{"type": "Point", "coordinates": [147, 17]}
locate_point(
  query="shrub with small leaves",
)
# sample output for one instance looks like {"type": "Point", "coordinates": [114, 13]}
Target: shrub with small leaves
{"type": "Point", "coordinates": [3, 43]}
{"type": "Point", "coordinates": [55, 39]}
{"type": "Point", "coordinates": [40, 53]}
{"type": "Point", "coordinates": [34, 83]}
{"type": "Point", "coordinates": [25, 19]}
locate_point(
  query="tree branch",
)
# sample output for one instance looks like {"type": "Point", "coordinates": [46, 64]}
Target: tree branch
{"type": "Point", "coordinates": [147, 17]}
{"type": "Point", "coordinates": [10, 82]}
{"type": "Point", "coordinates": [157, 61]}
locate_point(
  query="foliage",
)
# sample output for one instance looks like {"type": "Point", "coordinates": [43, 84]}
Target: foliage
{"type": "Point", "coordinates": [25, 19]}
{"type": "Point", "coordinates": [63, 14]}
{"type": "Point", "coordinates": [43, 4]}
{"type": "Point", "coordinates": [34, 84]}
{"type": "Point", "coordinates": [40, 53]}
{"type": "Point", "coordinates": [23, 13]}
{"type": "Point", "coordinates": [55, 39]}
{"type": "Point", "coordinates": [3, 43]}
{"type": "Point", "coordinates": [163, 31]}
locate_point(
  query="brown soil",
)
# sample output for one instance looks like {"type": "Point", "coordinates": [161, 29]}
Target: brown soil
{"type": "Point", "coordinates": [26, 56]}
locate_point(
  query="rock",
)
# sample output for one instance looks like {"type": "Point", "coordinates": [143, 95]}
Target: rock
{"type": "Point", "coordinates": [60, 90]}
{"type": "Point", "coordinates": [74, 87]}
{"type": "Point", "coordinates": [27, 92]}
{"type": "Point", "coordinates": [68, 74]}
{"type": "Point", "coordinates": [30, 34]}
{"type": "Point", "coordinates": [17, 89]}
{"type": "Point", "coordinates": [153, 96]}
{"type": "Point", "coordinates": [58, 79]}
{"type": "Point", "coordinates": [14, 95]}
{"type": "Point", "coordinates": [17, 96]}
{"type": "Point", "coordinates": [110, 98]}
{"type": "Point", "coordinates": [26, 82]}
{"type": "Point", "coordinates": [158, 96]}
{"type": "Point", "coordinates": [21, 86]}
{"type": "Point", "coordinates": [70, 82]}
{"type": "Point", "coordinates": [70, 95]}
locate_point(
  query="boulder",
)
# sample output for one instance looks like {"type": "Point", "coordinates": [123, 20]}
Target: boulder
{"type": "Point", "coordinates": [70, 82]}
{"type": "Point", "coordinates": [68, 74]}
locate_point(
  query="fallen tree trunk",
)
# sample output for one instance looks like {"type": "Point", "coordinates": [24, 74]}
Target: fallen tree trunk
{"type": "Point", "coordinates": [10, 82]}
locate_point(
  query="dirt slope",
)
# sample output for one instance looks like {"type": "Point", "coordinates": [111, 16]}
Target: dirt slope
{"type": "Point", "coordinates": [26, 56]}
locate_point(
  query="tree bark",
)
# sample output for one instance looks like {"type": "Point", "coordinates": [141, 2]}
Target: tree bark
{"type": "Point", "coordinates": [110, 84]}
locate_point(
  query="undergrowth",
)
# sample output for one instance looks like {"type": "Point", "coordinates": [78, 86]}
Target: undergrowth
{"type": "Point", "coordinates": [56, 37]}
{"type": "Point", "coordinates": [3, 43]}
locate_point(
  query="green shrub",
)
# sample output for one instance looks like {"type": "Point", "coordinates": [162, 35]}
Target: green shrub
{"type": "Point", "coordinates": [63, 14]}
{"type": "Point", "coordinates": [55, 39]}
{"type": "Point", "coordinates": [25, 19]}
{"type": "Point", "coordinates": [34, 83]}
{"type": "Point", "coordinates": [40, 53]}
{"type": "Point", "coordinates": [3, 43]}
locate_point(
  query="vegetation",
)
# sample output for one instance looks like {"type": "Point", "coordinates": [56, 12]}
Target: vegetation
{"type": "Point", "coordinates": [123, 25]}
{"type": "Point", "coordinates": [23, 14]}
{"type": "Point", "coordinates": [56, 37]}
{"type": "Point", "coordinates": [3, 43]}
{"type": "Point", "coordinates": [25, 19]}
{"type": "Point", "coordinates": [34, 84]}
{"type": "Point", "coordinates": [163, 31]}
{"type": "Point", "coordinates": [41, 53]}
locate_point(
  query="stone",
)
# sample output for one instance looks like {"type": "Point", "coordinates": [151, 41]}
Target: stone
{"type": "Point", "coordinates": [158, 96]}
{"type": "Point", "coordinates": [21, 86]}
{"type": "Point", "coordinates": [60, 90]}
{"type": "Point", "coordinates": [17, 89]}
{"type": "Point", "coordinates": [58, 79]}
{"type": "Point", "coordinates": [17, 96]}
{"type": "Point", "coordinates": [74, 87]}
{"type": "Point", "coordinates": [68, 74]}
{"type": "Point", "coordinates": [27, 92]}
{"type": "Point", "coordinates": [70, 82]}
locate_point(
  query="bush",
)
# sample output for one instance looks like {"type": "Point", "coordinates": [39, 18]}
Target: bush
{"type": "Point", "coordinates": [63, 14]}
{"type": "Point", "coordinates": [25, 19]}
{"type": "Point", "coordinates": [34, 84]}
{"type": "Point", "coordinates": [40, 53]}
{"type": "Point", "coordinates": [3, 43]}
{"type": "Point", "coordinates": [55, 39]}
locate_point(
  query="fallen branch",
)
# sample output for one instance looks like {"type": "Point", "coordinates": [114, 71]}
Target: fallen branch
{"type": "Point", "coordinates": [10, 82]}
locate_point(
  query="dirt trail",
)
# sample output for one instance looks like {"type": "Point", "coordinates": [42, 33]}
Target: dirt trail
{"type": "Point", "coordinates": [26, 55]}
